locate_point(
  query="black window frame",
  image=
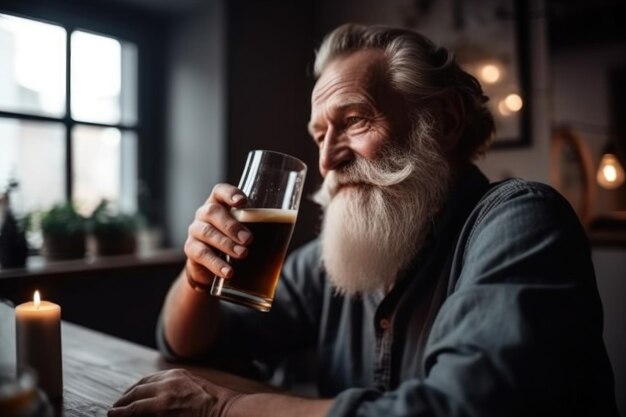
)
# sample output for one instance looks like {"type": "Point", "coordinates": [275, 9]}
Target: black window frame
{"type": "Point", "coordinates": [149, 31]}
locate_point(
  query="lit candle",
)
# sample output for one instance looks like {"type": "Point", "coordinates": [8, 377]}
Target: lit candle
{"type": "Point", "coordinates": [38, 338]}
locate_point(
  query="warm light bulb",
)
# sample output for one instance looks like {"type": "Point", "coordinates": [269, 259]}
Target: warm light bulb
{"type": "Point", "coordinates": [503, 109]}
{"type": "Point", "coordinates": [490, 73]}
{"type": "Point", "coordinates": [513, 102]}
{"type": "Point", "coordinates": [37, 299]}
{"type": "Point", "coordinates": [610, 173]}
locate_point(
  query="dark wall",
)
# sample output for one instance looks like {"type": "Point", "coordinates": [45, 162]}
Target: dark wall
{"type": "Point", "coordinates": [269, 60]}
{"type": "Point", "coordinates": [121, 301]}
{"type": "Point", "coordinates": [576, 23]}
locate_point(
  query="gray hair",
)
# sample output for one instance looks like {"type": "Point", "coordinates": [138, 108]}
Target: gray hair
{"type": "Point", "coordinates": [418, 69]}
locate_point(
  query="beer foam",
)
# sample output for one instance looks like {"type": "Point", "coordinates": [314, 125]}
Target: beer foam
{"type": "Point", "coordinates": [265, 215]}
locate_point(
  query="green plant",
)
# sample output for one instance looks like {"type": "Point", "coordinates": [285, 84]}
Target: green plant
{"type": "Point", "coordinates": [63, 231]}
{"type": "Point", "coordinates": [104, 221]}
{"type": "Point", "coordinates": [62, 220]}
{"type": "Point", "coordinates": [114, 232]}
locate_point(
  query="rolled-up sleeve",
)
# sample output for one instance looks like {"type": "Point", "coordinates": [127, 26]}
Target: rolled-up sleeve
{"type": "Point", "coordinates": [521, 330]}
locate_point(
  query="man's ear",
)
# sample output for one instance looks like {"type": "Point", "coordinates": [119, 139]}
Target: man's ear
{"type": "Point", "coordinates": [450, 114]}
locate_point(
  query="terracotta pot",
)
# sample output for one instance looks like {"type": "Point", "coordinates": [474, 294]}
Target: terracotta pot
{"type": "Point", "coordinates": [110, 244]}
{"type": "Point", "coordinates": [59, 247]}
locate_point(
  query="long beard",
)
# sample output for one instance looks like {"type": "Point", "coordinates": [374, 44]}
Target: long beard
{"type": "Point", "coordinates": [378, 215]}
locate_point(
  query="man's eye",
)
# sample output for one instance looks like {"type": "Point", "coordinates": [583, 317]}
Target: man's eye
{"type": "Point", "coordinates": [352, 120]}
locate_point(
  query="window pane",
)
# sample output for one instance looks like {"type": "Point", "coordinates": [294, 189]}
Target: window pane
{"type": "Point", "coordinates": [105, 166]}
{"type": "Point", "coordinates": [34, 154]}
{"type": "Point", "coordinates": [128, 95]}
{"type": "Point", "coordinates": [104, 79]}
{"type": "Point", "coordinates": [32, 66]}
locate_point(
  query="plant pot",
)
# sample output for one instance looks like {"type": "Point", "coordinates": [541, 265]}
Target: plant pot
{"type": "Point", "coordinates": [61, 247]}
{"type": "Point", "coordinates": [110, 244]}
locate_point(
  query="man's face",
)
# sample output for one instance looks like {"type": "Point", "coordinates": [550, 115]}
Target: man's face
{"type": "Point", "coordinates": [354, 113]}
{"type": "Point", "coordinates": [385, 178]}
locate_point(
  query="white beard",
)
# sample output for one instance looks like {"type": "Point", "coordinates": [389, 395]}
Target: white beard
{"type": "Point", "coordinates": [372, 231]}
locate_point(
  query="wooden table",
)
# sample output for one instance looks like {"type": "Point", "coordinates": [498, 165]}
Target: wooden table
{"type": "Point", "coordinates": [98, 368]}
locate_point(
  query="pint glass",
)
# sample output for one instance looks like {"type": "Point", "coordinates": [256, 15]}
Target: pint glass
{"type": "Point", "coordinates": [273, 185]}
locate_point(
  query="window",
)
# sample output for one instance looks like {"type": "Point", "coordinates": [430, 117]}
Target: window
{"type": "Point", "coordinates": [68, 116]}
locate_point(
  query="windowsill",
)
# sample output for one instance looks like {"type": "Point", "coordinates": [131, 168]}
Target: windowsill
{"type": "Point", "coordinates": [38, 265]}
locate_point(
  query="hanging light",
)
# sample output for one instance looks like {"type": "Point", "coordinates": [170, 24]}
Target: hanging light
{"type": "Point", "coordinates": [610, 172]}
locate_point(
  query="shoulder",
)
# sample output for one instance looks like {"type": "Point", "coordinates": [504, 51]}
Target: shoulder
{"type": "Point", "coordinates": [519, 203]}
{"type": "Point", "coordinates": [521, 191]}
{"type": "Point", "coordinates": [522, 230]}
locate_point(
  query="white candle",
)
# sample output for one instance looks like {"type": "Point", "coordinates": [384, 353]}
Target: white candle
{"type": "Point", "coordinates": [38, 338]}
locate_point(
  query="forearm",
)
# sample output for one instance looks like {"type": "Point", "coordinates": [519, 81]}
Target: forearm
{"type": "Point", "coordinates": [277, 405]}
{"type": "Point", "coordinates": [190, 319]}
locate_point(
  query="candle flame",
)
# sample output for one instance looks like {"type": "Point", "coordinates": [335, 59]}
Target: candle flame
{"type": "Point", "coordinates": [37, 299]}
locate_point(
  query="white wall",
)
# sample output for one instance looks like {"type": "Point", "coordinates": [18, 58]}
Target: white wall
{"type": "Point", "coordinates": [197, 115]}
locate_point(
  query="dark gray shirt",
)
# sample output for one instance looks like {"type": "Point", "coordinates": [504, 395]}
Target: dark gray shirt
{"type": "Point", "coordinates": [499, 315]}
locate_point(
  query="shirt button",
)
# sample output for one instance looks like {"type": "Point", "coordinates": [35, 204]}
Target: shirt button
{"type": "Point", "coordinates": [384, 324]}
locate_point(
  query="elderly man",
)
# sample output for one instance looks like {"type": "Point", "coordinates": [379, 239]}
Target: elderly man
{"type": "Point", "coordinates": [430, 292]}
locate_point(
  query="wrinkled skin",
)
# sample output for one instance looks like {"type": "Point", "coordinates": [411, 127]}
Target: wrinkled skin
{"type": "Point", "coordinates": [174, 393]}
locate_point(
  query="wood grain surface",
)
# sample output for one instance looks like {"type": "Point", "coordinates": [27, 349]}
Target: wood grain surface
{"type": "Point", "coordinates": [98, 368]}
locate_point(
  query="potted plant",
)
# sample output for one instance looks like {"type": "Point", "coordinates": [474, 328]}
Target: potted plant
{"type": "Point", "coordinates": [64, 232]}
{"type": "Point", "coordinates": [114, 233]}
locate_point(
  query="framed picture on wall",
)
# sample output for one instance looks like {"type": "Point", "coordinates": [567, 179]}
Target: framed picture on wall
{"type": "Point", "coordinates": [491, 41]}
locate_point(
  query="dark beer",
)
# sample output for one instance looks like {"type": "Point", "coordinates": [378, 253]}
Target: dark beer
{"type": "Point", "coordinates": [255, 277]}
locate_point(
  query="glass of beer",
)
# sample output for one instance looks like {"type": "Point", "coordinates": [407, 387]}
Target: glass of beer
{"type": "Point", "coordinates": [273, 185]}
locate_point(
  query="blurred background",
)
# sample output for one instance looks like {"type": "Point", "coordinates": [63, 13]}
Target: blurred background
{"type": "Point", "coordinates": [139, 107]}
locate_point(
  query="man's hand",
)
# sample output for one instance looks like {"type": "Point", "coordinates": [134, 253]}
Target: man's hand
{"type": "Point", "coordinates": [174, 393]}
{"type": "Point", "coordinates": [215, 231]}
{"type": "Point", "coordinates": [191, 318]}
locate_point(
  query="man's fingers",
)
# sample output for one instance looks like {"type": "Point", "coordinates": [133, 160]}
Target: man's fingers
{"type": "Point", "coordinates": [220, 219]}
{"type": "Point", "coordinates": [137, 408]}
{"type": "Point", "coordinates": [198, 275]}
{"type": "Point", "coordinates": [216, 212]}
{"type": "Point", "coordinates": [143, 380]}
{"type": "Point", "coordinates": [212, 236]}
{"type": "Point", "coordinates": [201, 254]}
{"type": "Point", "coordinates": [227, 194]}
{"type": "Point", "coordinates": [214, 232]}
{"type": "Point", "coordinates": [136, 393]}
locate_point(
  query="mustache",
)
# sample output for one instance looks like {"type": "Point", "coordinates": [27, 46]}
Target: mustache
{"type": "Point", "coordinates": [385, 172]}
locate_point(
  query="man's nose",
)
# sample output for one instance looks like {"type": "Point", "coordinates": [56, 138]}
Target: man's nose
{"type": "Point", "coordinates": [334, 152]}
